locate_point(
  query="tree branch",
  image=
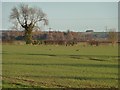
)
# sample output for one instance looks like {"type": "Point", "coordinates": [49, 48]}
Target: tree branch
{"type": "Point", "coordinates": [20, 22]}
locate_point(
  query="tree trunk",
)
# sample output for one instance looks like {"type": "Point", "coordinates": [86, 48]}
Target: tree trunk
{"type": "Point", "coordinates": [28, 35]}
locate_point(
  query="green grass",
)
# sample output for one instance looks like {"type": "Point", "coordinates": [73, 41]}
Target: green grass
{"type": "Point", "coordinates": [50, 66]}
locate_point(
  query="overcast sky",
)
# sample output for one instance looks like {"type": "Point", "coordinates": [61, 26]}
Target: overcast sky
{"type": "Point", "coordinates": [75, 16]}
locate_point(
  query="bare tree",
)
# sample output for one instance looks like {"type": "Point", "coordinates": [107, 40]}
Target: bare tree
{"type": "Point", "coordinates": [15, 26]}
{"type": "Point", "coordinates": [69, 36]}
{"type": "Point", "coordinates": [112, 36]}
{"type": "Point", "coordinates": [28, 17]}
{"type": "Point", "coordinates": [62, 37]}
{"type": "Point", "coordinates": [50, 36]}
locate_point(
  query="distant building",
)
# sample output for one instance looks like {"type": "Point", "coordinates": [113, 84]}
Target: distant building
{"type": "Point", "coordinates": [89, 31]}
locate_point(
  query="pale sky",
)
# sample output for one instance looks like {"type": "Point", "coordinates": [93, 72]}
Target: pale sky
{"type": "Point", "coordinates": [75, 16]}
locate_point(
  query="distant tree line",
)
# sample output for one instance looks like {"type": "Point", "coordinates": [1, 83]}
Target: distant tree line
{"type": "Point", "coordinates": [58, 35]}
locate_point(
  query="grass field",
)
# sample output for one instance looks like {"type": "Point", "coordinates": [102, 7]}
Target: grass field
{"type": "Point", "coordinates": [60, 66]}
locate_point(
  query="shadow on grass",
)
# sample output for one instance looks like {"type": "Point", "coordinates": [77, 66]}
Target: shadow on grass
{"type": "Point", "coordinates": [74, 77]}
{"type": "Point", "coordinates": [74, 55]}
{"type": "Point", "coordinates": [89, 57]}
{"type": "Point", "coordinates": [44, 54]}
{"type": "Point", "coordinates": [74, 65]}
{"type": "Point", "coordinates": [66, 55]}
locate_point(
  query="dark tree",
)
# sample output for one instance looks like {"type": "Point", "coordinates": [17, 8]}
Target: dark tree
{"type": "Point", "coordinates": [28, 18]}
